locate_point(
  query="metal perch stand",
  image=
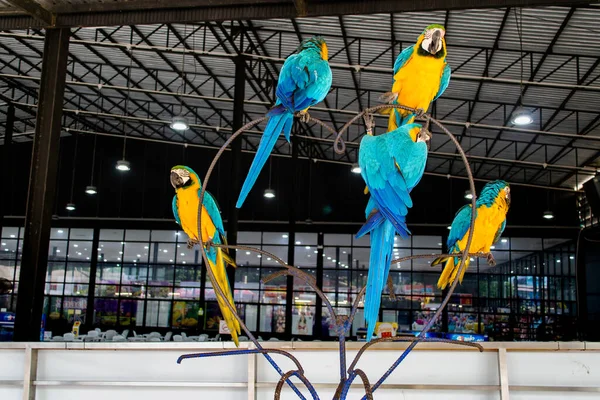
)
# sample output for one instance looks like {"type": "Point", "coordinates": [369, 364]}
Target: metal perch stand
{"type": "Point", "coordinates": [343, 323]}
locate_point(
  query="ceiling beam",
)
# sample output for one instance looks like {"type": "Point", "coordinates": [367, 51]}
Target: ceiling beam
{"type": "Point", "coordinates": [164, 11]}
{"type": "Point", "coordinates": [36, 11]}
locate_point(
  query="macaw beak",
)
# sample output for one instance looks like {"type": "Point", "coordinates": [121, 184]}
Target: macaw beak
{"type": "Point", "coordinates": [176, 180]}
{"type": "Point", "coordinates": [435, 42]}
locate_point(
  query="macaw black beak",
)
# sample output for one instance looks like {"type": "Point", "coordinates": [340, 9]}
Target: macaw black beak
{"type": "Point", "coordinates": [176, 180]}
{"type": "Point", "coordinates": [435, 42]}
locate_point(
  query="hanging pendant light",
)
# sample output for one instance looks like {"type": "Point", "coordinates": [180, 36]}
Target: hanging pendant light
{"type": "Point", "coordinates": [91, 189]}
{"type": "Point", "coordinates": [468, 195]}
{"type": "Point", "coordinates": [520, 116]}
{"type": "Point", "coordinates": [269, 193]}
{"type": "Point", "coordinates": [356, 169]}
{"type": "Point", "coordinates": [179, 122]}
{"type": "Point", "coordinates": [123, 165]}
{"type": "Point", "coordinates": [71, 204]}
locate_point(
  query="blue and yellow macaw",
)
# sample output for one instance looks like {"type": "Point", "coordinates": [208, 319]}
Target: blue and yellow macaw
{"type": "Point", "coordinates": [391, 164]}
{"type": "Point", "coordinates": [185, 209]}
{"type": "Point", "coordinates": [304, 81]}
{"type": "Point", "coordinates": [421, 75]}
{"type": "Point", "coordinates": [490, 220]}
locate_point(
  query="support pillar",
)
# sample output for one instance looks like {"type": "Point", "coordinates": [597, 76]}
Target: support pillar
{"type": "Point", "coordinates": [7, 157]}
{"type": "Point", "coordinates": [236, 155]}
{"type": "Point", "coordinates": [42, 186]}
{"type": "Point", "coordinates": [289, 297]}
{"type": "Point", "coordinates": [318, 327]}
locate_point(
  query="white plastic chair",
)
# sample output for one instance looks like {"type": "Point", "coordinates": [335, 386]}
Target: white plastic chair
{"type": "Point", "coordinates": [69, 337]}
{"type": "Point", "coordinates": [203, 337]}
{"type": "Point", "coordinates": [58, 339]}
{"type": "Point", "coordinates": [168, 336]}
{"type": "Point", "coordinates": [153, 335]}
{"type": "Point", "coordinates": [153, 339]}
{"type": "Point", "coordinates": [118, 338]}
{"type": "Point", "coordinates": [177, 338]}
{"type": "Point", "coordinates": [125, 333]}
{"type": "Point", "coordinates": [110, 334]}
{"type": "Point", "coordinates": [92, 336]}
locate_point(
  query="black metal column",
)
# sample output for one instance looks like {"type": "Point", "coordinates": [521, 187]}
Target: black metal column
{"type": "Point", "coordinates": [42, 186]}
{"type": "Point", "coordinates": [236, 155]}
{"type": "Point", "coordinates": [318, 325]}
{"type": "Point", "coordinates": [89, 312]}
{"type": "Point", "coordinates": [6, 160]}
{"type": "Point", "coordinates": [289, 298]}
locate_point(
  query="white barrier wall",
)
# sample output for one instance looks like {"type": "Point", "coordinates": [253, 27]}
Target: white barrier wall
{"type": "Point", "coordinates": [125, 371]}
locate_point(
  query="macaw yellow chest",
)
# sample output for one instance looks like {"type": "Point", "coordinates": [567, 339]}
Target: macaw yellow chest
{"type": "Point", "coordinates": [187, 206]}
{"type": "Point", "coordinates": [488, 222]}
{"type": "Point", "coordinates": [418, 81]}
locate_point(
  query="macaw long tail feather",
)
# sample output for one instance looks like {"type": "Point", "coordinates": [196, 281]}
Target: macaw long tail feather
{"type": "Point", "coordinates": [382, 245]}
{"type": "Point", "coordinates": [276, 124]}
{"type": "Point", "coordinates": [450, 271]}
{"type": "Point", "coordinates": [223, 283]}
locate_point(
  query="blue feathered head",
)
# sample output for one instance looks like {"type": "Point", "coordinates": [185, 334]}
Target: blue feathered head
{"type": "Point", "coordinates": [315, 43]}
{"type": "Point", "coordinates": [494, 191]}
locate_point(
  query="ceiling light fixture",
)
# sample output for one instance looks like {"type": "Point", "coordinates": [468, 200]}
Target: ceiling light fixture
{"type": "Point", "coordinates": [179, 123]}
{"type": "Point", "coordinates": [548, 215]}
{"type": "Point", "coordinates": [521, 117]}
{"type": "Point", "coordinates": [356, 169]}
{"type": "Point", "coordinates": [91, 190]}
{"type": "Point", "coordinates": [269, 194]}
{"type": "Point", "coordinates": [468, 195]}
{"type": "Point", "coordinates": [70, 207]}
{"type": "Point", "coordinates": [123, 165]}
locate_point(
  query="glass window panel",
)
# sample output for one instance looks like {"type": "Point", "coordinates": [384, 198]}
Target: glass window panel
{"type": "Point", "coordinates": [426, 284]}
{"type": "Point", "coordinates": [280, 238]}
{"type": "Point", "coordinates": [463, 323]}
{"type": "Point", "coordinates": [111, 234]}
{"type": "Point", "coordinates": [187, 256]}
{"type": "Point", "coordinates": [185, 314]}
{"type": "Point", "coordinates": [81, 234]}
{"type": "Point", "coordinates": [166, 236]}
{"type": "Point", "coordinates": [106, 290]}
{"type": "Point", "coordinates": [53, 307]}
{"type": "Point", "coordinates": [53, 288]}
{"type": "Point", "coordinates": [188, 292]}
{"type": "Point", "coordinates": [58, 233]}
{"type": "Point", "coordinates": [247, 258]}
{"type": "Point", "coordinates": [135, 252]}
{"type": "Point", "coordinates": [304, 298]}
{"type": "Point", "coordinates": [531, 244]}
{"type": "Point", "coordinates": [250, 316]}
{"type": "Point", "coordinates": [305, 238]}
{"type": "Point", "coordinates": [272, 319]}
{"type": "Point", "coordinates": [402, 282]}
{"type": "Point", "coordinates": [105, 312]}
{"type": "Point", "coordinates": [80, 250]}
{"type": "Point", "coordinates": [304, 256]}
{"type": "Point", "coordinates": [278, 283]}
{"type": "Point", "coordinates": [57, 250]}
{"type": "Point", "coordinates": [278, 251]}
{"type": "Point", "coordinates": [78, 272]}
{"type": "Point", "coordinates": [76, 289]}
{"type": "Point", "coordinates": [301, 284]}
{"type": "Point", "coordinates": [110, 251]}
{"type": "Point", "coordinates": [108, 273]}
{"type": "Point", "coordinates": [132, 291]}
{"type": "Point", "coordinates": [250, 238]}
{"type": "Point", "coordinates": [74, 309]}
{"type": "Point", "coordinates": [302, 320]}
{"type": "Point", "coordinates": [336, 239]}
{"type": "Point", "coordinates": [130, 312]}
{"type": "Point", "coordinates": [360, 256]}
{"type": "Point", "coordinates": [247, 279]}
{"type": "Point", "coordinates": [160, 292]}
{"type": "Point", "coordinates": [7, 269]}
{"type": "Point", "coordinates": [8, 249]}
{"type": "Point", "coordinates": [162, 252]}
{"type": "Point", "coordinates": [549, 243]}
{"type": "Point", "coordinates": [10, 232]}
{"type": "Point", "coordinates": [137, 235]}
{"type": "Point", "coordinates": [186, 276]}
{"type": "Point", "coordinates": [55, 271]}
{"type": "Point", "coordinates": [428, 242]}
{"type": "Point", "coordinates": [361, 241]}
{"type": "Point", "coordinates": [246, 295]}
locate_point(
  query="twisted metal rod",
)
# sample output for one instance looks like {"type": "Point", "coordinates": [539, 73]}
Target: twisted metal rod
{"type": "Point", "coordinates": [240, 352]}
{"type": "Point", "coordinates": [216, 288]}
{"type": "Point", "coordinates": [342, 325]}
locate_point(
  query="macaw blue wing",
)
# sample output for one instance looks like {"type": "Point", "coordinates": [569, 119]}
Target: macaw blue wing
{"type": "Point", "coordinates": [499, 232]}
{"type": "Point", "coordinates": [213, 211]}
{"type": "Point", "coordinates": [460, 226]}
{"type": "Point", "coordinates": [175, 210]}
{"type": "Point", "coordinates": [303, 81]}
{"type": "Point", "coordinates": [403, 58]}
{"type": "Point", "coordinates": [444, 82]}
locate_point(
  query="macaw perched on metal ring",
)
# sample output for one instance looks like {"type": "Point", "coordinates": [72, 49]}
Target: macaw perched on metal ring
{"type": "Point", "coordinates": [490, 221]}
{"type": "Point", "coordinates": [391, 164]}
{"type": "Point", "coordinates": [304, 81]}
{"type": "Point", "coordinates": [421, 75]}
{"type": "Point", "coordinates": [185, 209]}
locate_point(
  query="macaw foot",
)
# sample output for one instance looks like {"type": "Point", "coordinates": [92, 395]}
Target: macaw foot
{"type": "Point", "coordinates": [304, 116]}
{"type": "Point", "coordinates": [388, 97]}
{"type": "Point", "coordinates": [191, 243]}
{"type": "Point", "coordinates": [491, 260]}
{"type": "Point", "coordinates": [420, 112]}
{"type": "Point", "coordinates": [369, 122]}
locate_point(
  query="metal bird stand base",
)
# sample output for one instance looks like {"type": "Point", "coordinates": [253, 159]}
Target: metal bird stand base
{"type": "Point", "coordinates": [343, 323]}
